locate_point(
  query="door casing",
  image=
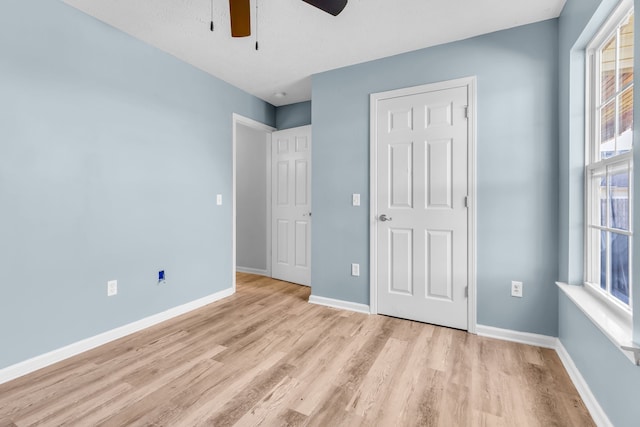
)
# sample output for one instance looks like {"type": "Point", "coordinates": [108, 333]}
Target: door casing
{"type": "Point", "coordinates": [470, 83]}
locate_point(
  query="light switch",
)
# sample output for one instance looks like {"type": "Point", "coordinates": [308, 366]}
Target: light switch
{"type": "Point", "coordinates": [356, 199]}
{"type": "Point", "coordinates": [219, 199]}
{"type": "Point", "coordinates": [355, 269]}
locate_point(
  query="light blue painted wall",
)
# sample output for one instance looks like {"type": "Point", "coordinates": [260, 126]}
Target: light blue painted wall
{"type": "Point", "coordinates": [111, 155]}
{"type": "Point", "coordinates": [613, 379]}
{"type": "Point", "coordinates": [293, 115]}
{"type": "Point", "coordinates": [517, 168]}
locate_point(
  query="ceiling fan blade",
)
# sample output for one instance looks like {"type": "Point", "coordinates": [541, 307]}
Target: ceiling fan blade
{"type": "Point", "coordinates": [240, 11]}
{"type": "Point", "coordinates": [334, 7]}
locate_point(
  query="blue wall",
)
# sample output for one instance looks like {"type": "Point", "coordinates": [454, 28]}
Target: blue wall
{"type": "Point", "coordinates": [111, 156]}
{"type": "Point", "coordinates": [614, 381]}
{"type": "Point", "coordinates": [293, 115]}
{"type": "Point", "coordinates": [517, 176]}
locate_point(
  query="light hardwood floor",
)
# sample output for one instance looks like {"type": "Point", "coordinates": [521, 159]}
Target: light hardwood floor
{"type": "Point", "coordinates": [266, 357]}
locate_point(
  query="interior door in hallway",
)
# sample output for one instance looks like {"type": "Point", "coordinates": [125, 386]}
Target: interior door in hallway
{"type": "Point", "coordinates": [291, 205]}
{"type": "Point", "coordinates": [422, 146]}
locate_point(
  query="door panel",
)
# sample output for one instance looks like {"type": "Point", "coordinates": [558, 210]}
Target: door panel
{"type": "Point", "coordinates": [439, 179]}
{"type": "Point", "coordinates": [282, 181]}
{"type": "Point", "coordinates": [401, 257]}
{"type": "Point", "coordinates": [291, 210]}
{"type": "Point", "coordinates": [439, 265]}
{"type": "Point", "coordinates": [401, 175]}
{"type": "Point", "coordinates": [422, 146]}
{"type": "Point", "coordinates": [282, 242]}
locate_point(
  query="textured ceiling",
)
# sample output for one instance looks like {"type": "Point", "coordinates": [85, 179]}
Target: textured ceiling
{"type": "Point", "coordinates": [298, 40]}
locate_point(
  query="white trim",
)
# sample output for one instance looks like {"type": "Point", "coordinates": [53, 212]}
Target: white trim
{"type": "Point", "coordinates": [471, 84]}
{"type": "Point", "coordinates": [472, 207]}
{"type": "Point", "coordinates": [236, 120]}
{"type": "Point", "coordinates": [611, 321]}
{"type": "Point", "coordinates": [590, 401]}
{"type": "Point", "coordinates": [19, 369]}
{"type": "Point", "coordinates": [250, 270]}
{"type": "Point", "coordinates": [336, 303]}
{"type": "Point", "coordinates": [538, 340]}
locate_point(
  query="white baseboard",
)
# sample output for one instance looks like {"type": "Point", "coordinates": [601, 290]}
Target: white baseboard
{"type": "Point", "coordinates": [336, 303]}
{"type": "Point", "coordinates": [517, 336]}
{"type": "Point", "coordinates": [596, 411]}
{"type": "Point", "coordinates": [19, 369]}
{"type": "Point", "coordinates": [253, 271]}
{"type": "Point", "coordinates": [590, 401]}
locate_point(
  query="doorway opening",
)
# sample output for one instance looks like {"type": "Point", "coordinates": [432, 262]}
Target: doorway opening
{"type": "Point", "coordinates": [271, 201]}
{"type": "Point", "coordinates": [251, 197]}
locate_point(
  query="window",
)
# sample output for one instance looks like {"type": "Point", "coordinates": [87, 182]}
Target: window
{"type": "Point", "coordinates": [609, 159]}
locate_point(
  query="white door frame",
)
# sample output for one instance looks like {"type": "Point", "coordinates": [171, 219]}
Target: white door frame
{"type": "Point", "coordinates": [469, 82]}
{"type": "Point", "coordinates": [245, 121]}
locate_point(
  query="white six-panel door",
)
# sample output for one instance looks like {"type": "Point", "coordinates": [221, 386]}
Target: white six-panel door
{"type": "Point", "coordinates": [421, 213]}
{"type": "Point", "coordinates": [291, 205]}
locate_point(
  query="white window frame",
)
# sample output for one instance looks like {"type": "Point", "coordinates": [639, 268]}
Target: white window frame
{"type": "Point", "coordinates": [593, 163]}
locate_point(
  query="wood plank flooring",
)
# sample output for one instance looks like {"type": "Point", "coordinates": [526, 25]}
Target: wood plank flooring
{"type": "Point", "coordinates": [265, 357]}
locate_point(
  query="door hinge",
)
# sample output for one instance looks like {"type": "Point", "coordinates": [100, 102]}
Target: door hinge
{"type": "Point", "coordinates": [466, 291]}
{"type": "Point", "coordinates": [466, 201]}
{"type": "Point", "coordinates": [466, 111]}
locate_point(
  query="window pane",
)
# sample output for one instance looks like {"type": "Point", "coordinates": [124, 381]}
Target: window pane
{"type": "Point", "coordinates": [625, 122]}
{"type": "Point", "coordinates": [608, 70]}
{"type": "Point", "coordinates": [620, 267]}
{"type": "Point", "coordinates": [619, 198]}
{"type": "Point", "coordinates": [626, 52]}
{"type": "Point", "coordinates": [608, 130]}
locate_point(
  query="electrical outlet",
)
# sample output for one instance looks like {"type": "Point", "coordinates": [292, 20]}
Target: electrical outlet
{"type": "Point", "coordinates": [219, 199]}
{"type": "Point", "coordinates": [516, 289]}
{"type": "Point", "coordinates": [355, 199]}
{"type": "Point", "coordinates": [112, 288]}
{"type": "Point", "coordinates": [355, 269]}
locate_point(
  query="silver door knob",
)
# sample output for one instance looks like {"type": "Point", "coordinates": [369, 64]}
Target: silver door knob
{"type": "Point", "coordinates": [384, 218]}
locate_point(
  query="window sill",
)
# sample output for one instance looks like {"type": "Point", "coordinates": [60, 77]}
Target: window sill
{"type": "Point", "coordinates": [612, 324]}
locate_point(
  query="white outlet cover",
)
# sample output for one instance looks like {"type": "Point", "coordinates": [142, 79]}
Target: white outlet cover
{"type": "Point", "coordinates": [516, 289]}
{"type": "Point", "coordinates": [219, 199]}
{"type": "Point", "coordinates": [112, 288]}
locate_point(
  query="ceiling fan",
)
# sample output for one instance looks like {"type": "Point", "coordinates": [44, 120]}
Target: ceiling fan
{"type": "Point", "coordinates": [241, 14]}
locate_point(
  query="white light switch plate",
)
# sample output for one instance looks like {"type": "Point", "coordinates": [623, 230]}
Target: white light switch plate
{"type": "Point", "coordinates": [355, 269]}
{"type": "Point", "coordinates": [219, 199]}
{"type": "Point", "coordinates": [356, 199]}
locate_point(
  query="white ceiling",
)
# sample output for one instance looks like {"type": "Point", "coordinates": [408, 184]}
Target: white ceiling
{"type": "Point", "coordinates": [298, 40]}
